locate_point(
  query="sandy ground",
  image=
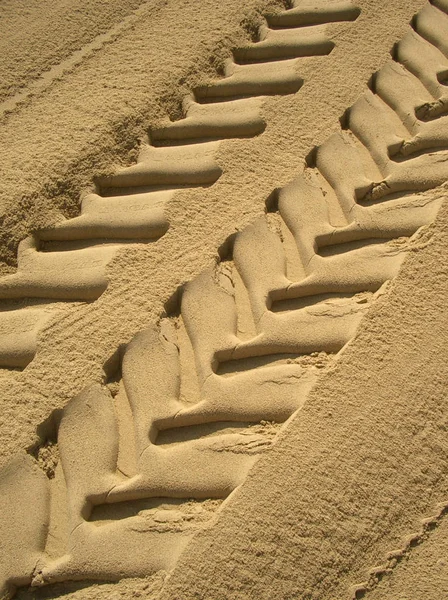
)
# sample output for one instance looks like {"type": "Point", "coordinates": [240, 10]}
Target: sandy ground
{"type": "Point", "coordinates": [424, 573]}
{"type": "Point", "coordinates": [366, 454]}
{"type": "Point", "coordinates": [201, 219]}
{"type": "Point", "coordinates": [364, 461]}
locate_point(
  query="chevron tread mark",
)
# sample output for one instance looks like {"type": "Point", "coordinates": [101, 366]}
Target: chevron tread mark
{"type": "Point", "coordinates": [129, 206]}
{"type": "Point", "coordinates": [204, 392]}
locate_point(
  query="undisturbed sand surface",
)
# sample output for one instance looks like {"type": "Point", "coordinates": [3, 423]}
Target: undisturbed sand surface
{"type": "Point", "coordinates": [216, 383]}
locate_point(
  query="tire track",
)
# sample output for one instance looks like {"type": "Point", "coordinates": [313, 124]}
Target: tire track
{"type": "Point", "coordinates": [201, 394]}
{"type": "Point", "coordinates": [67, 262]}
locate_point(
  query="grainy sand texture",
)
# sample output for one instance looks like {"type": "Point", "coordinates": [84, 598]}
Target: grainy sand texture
{"type": "Point", "coordinates": [223, 320]}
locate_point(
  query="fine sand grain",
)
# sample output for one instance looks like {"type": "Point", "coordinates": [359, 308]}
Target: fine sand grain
{"type": "Point", "coordinates": [223, 321]}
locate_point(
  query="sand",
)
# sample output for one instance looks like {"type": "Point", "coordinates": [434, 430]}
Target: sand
{"type": "Point", "coordinates": [223, 321]}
